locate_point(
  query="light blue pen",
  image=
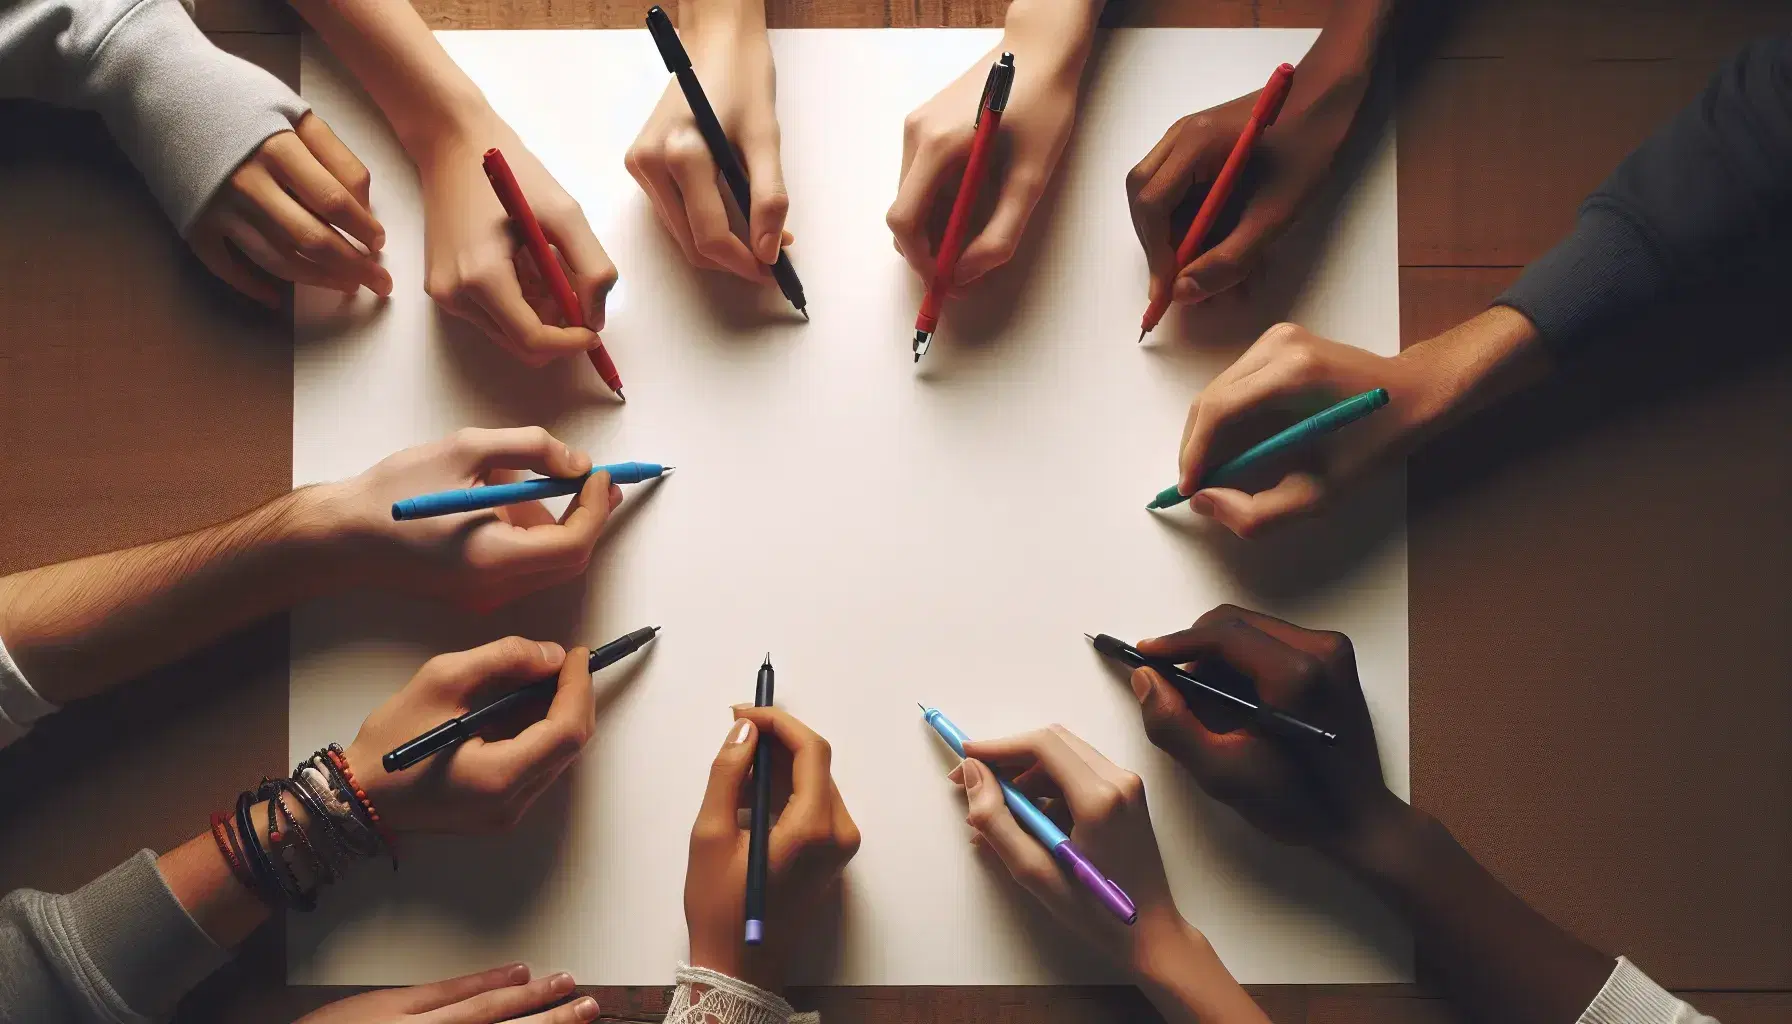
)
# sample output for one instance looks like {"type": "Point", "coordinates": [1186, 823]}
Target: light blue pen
{"type": "Point", "coordinates": [1043, 828]}
{"type": "Point", "coordinates": [472, 499]}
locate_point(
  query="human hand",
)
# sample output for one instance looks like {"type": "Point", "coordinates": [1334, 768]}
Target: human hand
{"type": "Point", "coordinates": [483, 784]}
{"type": "Point", "coordinates": [479, 559]}
{"type": "Point", "coordinates": [732, 57]}
{"type": "Point", "coordinates": [812, 838]}
{"type": "Point", "coordinates": [1050, 47]}
{"type": "Point", "coordinates": [500, 994]}
{"type": "Point", "coordinates": [1297, 792]}
{"type": "Point", "coordinates": [1292, 158]}
{"type": "Point", "coordinates": [1290, 371]}
{"type": "Point", "coordinates": [1102, 808]}
{"type": "Point", "coordinates": [475, 264]}
{"type": "Point", "coordinates": [282, 209]}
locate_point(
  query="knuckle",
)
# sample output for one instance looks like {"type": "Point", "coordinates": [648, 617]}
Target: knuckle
{"type": "Point", "coordinates": [686, 149]}
{"type": "Point", "coordinates": [538, 437]}
{"type": "Point", "coordinates": [1131, 788]}
{"type": "Point", "coordinates": [1247, 526]}
{"type": "Point", "coordinates": [358, 180]}
{"type": "Point", "coordinates": [515, 649]}
{"type": "Point", "coordinates": [314, 241]}
{"type": "Point", "coordinates": [1335, 648]}
{"type": "Point", "coordinates": [1307, 672]}
{"type": "Point", "coordinates": [1201, 123]}
{"type": "Point", "coordinates": [1137, 179]}
{"type": "Point", "coordinates": [1104, 801]}
{"type": "Point", "coordinates": [847, 841]}
{"type": "Point", "coordinates": [335, 200]}
{"type": "Point", "coordinates": [898, 220]}
{"type": "Point", "coordinates": [912, 126]}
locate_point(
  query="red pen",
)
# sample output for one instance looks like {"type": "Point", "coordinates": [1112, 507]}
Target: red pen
{"type": "Point", "coordinates": [510, 194]}
{"type": "Point", "coordinates": [1269, 104]}
{"type": "Point", "coordinates": [989, 118]}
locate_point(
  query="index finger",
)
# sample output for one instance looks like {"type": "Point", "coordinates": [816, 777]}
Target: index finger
{"type": "Point", "coordinates": [500, 295]}
{"type": "Point", "coordinates": [562, 732]}
{"type": "Point", "coordinates": [908, 214]}
{"type": "Point", "coordinates": [1272, 666]}
{"type": "Point", "coordinates": [811, 757]}
{"type": "Point", "coordinates": [1085, 790]}
{"type": "Point", "coordinates": [295, 166]}
{"type": "Point", "coordinates": [527, 549]}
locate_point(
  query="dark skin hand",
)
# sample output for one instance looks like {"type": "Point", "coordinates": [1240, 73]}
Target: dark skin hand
{"type": "Point", "coordinates": [1497, 958]}
{"type": "Point", "coordinates": [1292, 158]}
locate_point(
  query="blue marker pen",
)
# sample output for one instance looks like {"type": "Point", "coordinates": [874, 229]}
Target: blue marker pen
{"type": "Point", "coordinates": [472, 499]}
{"type": "Point", "coordinates": [1043, 828]}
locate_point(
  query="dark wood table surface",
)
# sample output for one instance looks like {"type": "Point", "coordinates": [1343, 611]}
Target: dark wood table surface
{"type": "Point", "coordinates": [1601, 659]}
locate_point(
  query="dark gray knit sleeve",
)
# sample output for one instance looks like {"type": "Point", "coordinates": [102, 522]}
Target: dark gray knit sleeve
{"type": "Point", "coordinates": [1708, 196]}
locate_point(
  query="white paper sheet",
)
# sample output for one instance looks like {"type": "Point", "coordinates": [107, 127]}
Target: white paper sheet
{"type": "Point", "coordinates": [891, 535]}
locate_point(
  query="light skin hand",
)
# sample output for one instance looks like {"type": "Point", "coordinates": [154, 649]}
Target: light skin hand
{"type": "Point", "coordinates": [282, 216]}
{"type": "Point", "coordinates": [1291, 372]}
{"type": "Point", "coordinates": [500, 994]}
{"type": "Point", "coordinates": [476, 265]}
{"type": "Point", "coordinates": [813, 836]}
{"type": "Point", "coordinates": [1050, 46]}
{"type": "Point", "coordinates": [481, 559]}
{"type": "Point", "coordinates": [732, 57]}
{"type": "Point", "coordinates": [485, 783]}
{"type": "Point", "coordinates": [1102, 808]}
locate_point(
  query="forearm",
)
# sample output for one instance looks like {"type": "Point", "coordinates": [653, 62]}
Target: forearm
{"type": "Point", "coordinates": [1059, 33]}
{"type": "Point", "coordinates": [1184, 978]}
{"type": "Point", "coordinates": [425, 96]}
{"type": "Point", "coordinates": [76, 628]}
{"type": "Point", "coordinates": [1499, 959]}
{"type": "Point", "coordinates": [1473, 365]}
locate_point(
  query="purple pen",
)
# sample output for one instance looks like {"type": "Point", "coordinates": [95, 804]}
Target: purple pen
{"type": "Point", "coordinates": [1044, 829]}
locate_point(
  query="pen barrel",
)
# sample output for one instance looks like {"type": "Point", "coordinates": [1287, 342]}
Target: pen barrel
{"type": "Point", "coordinates": [1324, 422]}
{"type": "Point", "coordinates": [1111, 896]}
{"type": "Point", "coordinates": [720, 149]}
{"type": "Point", "coordinates": [959, 224]}
{"type": "Point", "coordinates": [759, 838]}
{"type": "Point", "coordinates": [1283, 724]}
{"type": "Point", "coordinates": [445, 735]}
{"type": "Point", "coordinates": [472, 499]}
{"type": "Point", "coordinates": [618, 649]}
{"type": "Point", "coordinates": [605, 366]}
{"type": "Point", "coordinates": [788, 283]}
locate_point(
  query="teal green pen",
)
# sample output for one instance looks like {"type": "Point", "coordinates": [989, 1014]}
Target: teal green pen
{"type": "Point", "coordinates": [1341, 415]}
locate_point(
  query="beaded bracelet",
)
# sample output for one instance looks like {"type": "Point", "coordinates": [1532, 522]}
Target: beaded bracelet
{"type": "Point", "coordinates": [317, 781]}
{"type": "Point", "coordinates": [340, 760]}
{"type": "Point", "coordinates": [267, 884]}
{"type": "Point", "coordinates": [279, 856]}
{"type": "Point", "coordinates": [320, 866]}
{"type": "Point", "coordinates": [226, 840]}
{"type": "Point", "coordinates": [306, 777]}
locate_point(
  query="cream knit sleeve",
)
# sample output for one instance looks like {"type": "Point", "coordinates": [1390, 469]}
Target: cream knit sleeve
{"type": "Point", "coordinates": [704, 996]}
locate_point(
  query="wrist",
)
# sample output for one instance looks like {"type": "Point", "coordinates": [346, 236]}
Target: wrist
{"type": "Point", "coordinates": [324, 554]}
{"type": "Point", "coordinates": [1052, 36]}
{"type": "Point", "coordinates": [1472, 365]}
{"type": "Point", "coordinates": [705, 22]}
{"type": "Point", "coordinates": [1163, 941]}
{"type": "Point", "coordinates": [1383, 845]}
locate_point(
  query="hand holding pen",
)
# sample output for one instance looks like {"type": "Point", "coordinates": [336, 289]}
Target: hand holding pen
{"type": "Point", "coordinates": [711, 237]}
{"type": "Point", "coordinates": [1098, 804]}
{"type": "Point", "coordinates": [810, 844]}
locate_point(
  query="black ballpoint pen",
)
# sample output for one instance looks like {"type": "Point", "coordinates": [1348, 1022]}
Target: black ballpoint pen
{"type": "Point", "coordinates": [1275, 721]}
{"type": "Point", "coordinates": [760, 836]}
{"type": "Point", "coordinates": [720, 149]}
{"type": "Point", "coordinates": [457, 729]}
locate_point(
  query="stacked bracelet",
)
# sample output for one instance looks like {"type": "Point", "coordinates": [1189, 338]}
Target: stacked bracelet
{"type": "Point", "coordinates": [340, 825]}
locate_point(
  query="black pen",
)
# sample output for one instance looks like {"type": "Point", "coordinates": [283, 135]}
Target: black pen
{"type": "Point", "coordinates": [762, 811]}
{"type": "Point", "coordinates": [1272, 720]}
{"type": "Point", "coordinates": [679, 63]}
{"type": "Point", "coordinates": [457, 729]}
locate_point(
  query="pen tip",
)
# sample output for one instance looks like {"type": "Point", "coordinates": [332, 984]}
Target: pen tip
{"type": "Point", "coordinates": [768, 660]}
{"type": "Point", "coordinates": [1142, 332]}
{"type": "Point", "coordinates": [620, 397]}
{"type": "Point", "coordinates": [805, 311]}
{"type": "Point", "coordinates": [1091, 639]}
{"type": "Point", "coordinates": [656, 629]}
{"type": "Point", "coordinates": [667, 470]}
{"type": "Point", "coordinates": [917, 357]}
{"type": "Point", "coordinates": [920, 705]}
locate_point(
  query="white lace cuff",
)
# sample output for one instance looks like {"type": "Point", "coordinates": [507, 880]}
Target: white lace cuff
{"type": "Point", "coordinates": [725, 1000]}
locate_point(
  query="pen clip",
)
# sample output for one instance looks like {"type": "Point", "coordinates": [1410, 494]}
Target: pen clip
{"type": "Point", "coordinates": [996, 88]}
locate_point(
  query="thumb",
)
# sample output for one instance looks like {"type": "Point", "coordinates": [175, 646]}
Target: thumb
{"type": "Point", "coordinates": [770, 201]}
{"type": "Point", "coordinates": [1170, 725]}
{"type": "Point", "coordinates": [727, 774]}
{"type": "Point", "coordinates": [1250, 514]}
{"type": "Point", "coordinates": [1230, 260]}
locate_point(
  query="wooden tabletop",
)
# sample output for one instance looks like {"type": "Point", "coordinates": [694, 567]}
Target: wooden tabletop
{"type": "Point", "coordinates": [1601, 664]}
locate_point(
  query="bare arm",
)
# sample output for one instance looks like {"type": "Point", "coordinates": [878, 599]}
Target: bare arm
{"type": "Point", "coordinates": [77, 628]}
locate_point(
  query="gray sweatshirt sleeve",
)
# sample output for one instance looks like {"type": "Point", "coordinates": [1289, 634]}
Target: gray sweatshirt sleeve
{"type": "Point", "coordinates": [184, 111]}
{"type": "Point", "coordinates": [120, 950]}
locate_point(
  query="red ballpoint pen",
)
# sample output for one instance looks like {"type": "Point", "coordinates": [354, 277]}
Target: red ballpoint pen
{"type": "Point", "coordinates": [1269, 104]}
{"type": "Point", "coordinates": [510, 194]}
{"type": "Point", "coordinates": [989, 118]}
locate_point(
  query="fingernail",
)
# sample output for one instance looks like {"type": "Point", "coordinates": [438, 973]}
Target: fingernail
{"type": "Point", "coordinates": [580, 461]}
{"type": "Point", "coordinates": [767, 248]}
{"type": "Point", "coordinates": [585, 1009]}
{"type": "Point", "coordinates": [1141, 684]}
{"type": "Point", "coordinates": [973, 779]}
{"type": "Point", "coordinates": [551, 651]}
{"type": "Point", "coordinates": [1184, 290]}
{"type": "Point", "coordinates": [518, 974]}
{"type": "Point", "coordinates": [1202, 504]}
{"type": "Point", "coordinates": [740, 707]}
{"type": "Point", "coordinates": [741, 732]}
{"type": "Point", "coordinates": [956, 775]}
{"type": "Point", "coordinates": [561, 983]}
